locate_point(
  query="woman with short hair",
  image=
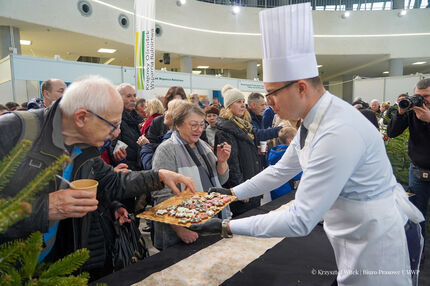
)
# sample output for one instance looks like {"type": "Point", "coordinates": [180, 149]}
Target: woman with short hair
{"type": "Point", "coordinates": [154, 108]}
{"type": "Point", "coordinates": [186, 153]}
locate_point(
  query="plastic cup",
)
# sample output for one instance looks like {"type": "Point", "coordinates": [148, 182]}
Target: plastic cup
{"type": "Point", "coordinates": [119, 145]}
{"type": "Point", "coordinates": [263, 146]}
{"type": "Point", "coordinates": [85, 184]}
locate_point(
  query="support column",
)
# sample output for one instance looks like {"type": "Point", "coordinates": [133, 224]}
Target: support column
{"type": "Point", "coordinates": [186, 64]}
{"type": "Point", "coordinates": [398, 4]}
{"type": "Point", "coordinates": [347, 88]}
{"type": "Point", "coordinates": [396, 67]}
{"type": "Point", "coordinates": [251, 70]}
{"type": "Point", "coordinates": [9, 38]}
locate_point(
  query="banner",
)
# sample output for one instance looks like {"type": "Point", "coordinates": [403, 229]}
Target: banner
{"type": "Point", "coordinates": [145, 44]}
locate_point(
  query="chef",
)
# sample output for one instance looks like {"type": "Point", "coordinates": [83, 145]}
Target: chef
{"type": "Point", "coordinates": [347, 177]}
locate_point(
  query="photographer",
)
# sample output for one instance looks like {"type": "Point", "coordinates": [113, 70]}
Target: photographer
{"type": "Point", "coordinates": [414, 112]}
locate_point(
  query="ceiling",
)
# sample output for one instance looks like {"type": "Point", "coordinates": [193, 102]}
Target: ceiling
{"type": "Point", "coordinates": [48, 41]}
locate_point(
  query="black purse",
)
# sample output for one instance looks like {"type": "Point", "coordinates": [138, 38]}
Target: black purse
{"type": "Point", "coordinates": [129, 245]}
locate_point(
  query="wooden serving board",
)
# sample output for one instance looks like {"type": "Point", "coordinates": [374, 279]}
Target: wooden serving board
{"type": "Point", "coordinates": [151, 214]}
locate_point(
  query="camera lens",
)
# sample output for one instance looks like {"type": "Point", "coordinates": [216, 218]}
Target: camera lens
{"type": "Point", "coordinates": [405, 103]}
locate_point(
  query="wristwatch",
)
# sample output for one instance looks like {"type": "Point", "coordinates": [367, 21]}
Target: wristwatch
{"type": "Point", "coordinates": [224, 233]}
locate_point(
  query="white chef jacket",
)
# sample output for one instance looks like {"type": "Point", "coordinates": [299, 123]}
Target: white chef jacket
{"type": "Point", "coordinates": [347, 159]}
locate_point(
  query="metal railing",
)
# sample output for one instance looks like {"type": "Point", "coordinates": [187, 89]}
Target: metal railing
{"type": "Point", "coordinates": [331, 5]}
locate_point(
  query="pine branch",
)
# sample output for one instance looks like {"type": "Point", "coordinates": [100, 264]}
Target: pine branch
{"type": "Point", "coordinates": [9, 253]}
{"type": "Point", "coordinates": [33, 246]}
{"type": "Point", "coordinates": [15, 209]}
{"type": "Point", "coordinates": [67, 265]}
{"type": "Point", "coordinates": [11, 278]}
{"type": "Point", "coordinates": [10, 163]}
{"type": "Point", "coordinates": [79, 280]}
{"type": "Point", "coordinates": [41, 180]}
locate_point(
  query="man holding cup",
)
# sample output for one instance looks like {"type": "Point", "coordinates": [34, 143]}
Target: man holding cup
{"type": "Point", "coordinates": [77, 124]}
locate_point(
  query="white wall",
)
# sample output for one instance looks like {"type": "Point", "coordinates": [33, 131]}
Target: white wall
{"type": "Point", "coordinates": [103, 23]}
{"type": "Point", "coordinates": [29, 71]}
{"type": "Point", "coordinates": [384, 89]}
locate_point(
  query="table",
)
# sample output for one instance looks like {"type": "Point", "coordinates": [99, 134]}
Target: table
{"type": "Point", "coordinates": [294, 261]}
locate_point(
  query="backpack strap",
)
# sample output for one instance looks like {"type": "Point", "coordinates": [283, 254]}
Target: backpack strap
{"type": "Point", "coordinates": [30, 125]}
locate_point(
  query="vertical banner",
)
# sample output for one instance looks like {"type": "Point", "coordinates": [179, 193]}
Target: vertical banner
{"type": "Point", "coordinates": [145, 44]}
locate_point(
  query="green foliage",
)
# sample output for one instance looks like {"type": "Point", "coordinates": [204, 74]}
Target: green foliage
{"type": "Point", "coordinates": [21, 268]}
{"type": "Point", "coordinates": [397, 151]}
{"type": "Point", "coordinates": [10, 163]}
{"type": "Point", "coordinates": [18, 259]}
{"type": "Point", "coordinates": [17, 208]}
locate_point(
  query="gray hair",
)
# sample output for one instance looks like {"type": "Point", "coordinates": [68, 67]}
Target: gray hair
{"type": "Point", "coordinates": [182, 111]}
{"type": "Point", "coordinates": [374, 100]}
{"type": "Point", "coordinates": [255, 96]}
{"type": "Point", "coordinates": [94, 92]}
{"type": "Point", "coordinates": [123, 85]}
{"type": "Point", "coordinates": [423, 84]}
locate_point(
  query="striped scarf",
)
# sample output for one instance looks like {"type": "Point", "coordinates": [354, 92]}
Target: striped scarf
{"type": "Point", "coordinates": [245, 125]}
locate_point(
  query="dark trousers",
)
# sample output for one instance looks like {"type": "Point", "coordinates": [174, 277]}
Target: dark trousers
{"type": "Point", "coordinates": [421, 189]}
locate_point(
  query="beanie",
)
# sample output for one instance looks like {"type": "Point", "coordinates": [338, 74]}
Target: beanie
{"type": "Point", "coordinates": [231, 95]}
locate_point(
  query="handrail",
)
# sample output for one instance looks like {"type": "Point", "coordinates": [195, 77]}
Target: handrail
{"type": "Point", "coordinates": [331, 5]}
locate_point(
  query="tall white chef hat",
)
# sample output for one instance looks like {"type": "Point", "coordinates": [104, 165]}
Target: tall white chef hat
{"type": "Point", "coordinates": [288, 43]}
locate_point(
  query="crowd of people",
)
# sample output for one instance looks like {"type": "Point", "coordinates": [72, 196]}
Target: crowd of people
{"type": "Point", "coordinates": [138, 150]}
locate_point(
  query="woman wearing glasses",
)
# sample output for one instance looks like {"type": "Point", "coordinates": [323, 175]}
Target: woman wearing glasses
{"type": "Point", "coordinates": [185, 153]}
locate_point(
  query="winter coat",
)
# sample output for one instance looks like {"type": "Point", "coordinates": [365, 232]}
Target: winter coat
{"type": "Point", "coordinates": [130, 132]}
{"type": "Point", "coordinates": [243, 161]}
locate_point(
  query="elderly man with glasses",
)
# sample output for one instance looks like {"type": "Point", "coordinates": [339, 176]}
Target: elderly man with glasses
{"type": "Point", "coordinates": [77, 124]}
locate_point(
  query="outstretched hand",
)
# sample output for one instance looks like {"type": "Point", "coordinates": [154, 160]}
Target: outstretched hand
{"type": "Point", "coordinates": [223, 191]}
{"type": "Point", "coordinates": [171, 179]}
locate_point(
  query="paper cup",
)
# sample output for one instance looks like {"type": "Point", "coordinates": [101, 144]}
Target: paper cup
{"type": "Point", "coordinates": [119, 145]}
{"type": "Point", "coordinates": [85, 184]}
{"type": "Point", "coordinates": [263, 146]}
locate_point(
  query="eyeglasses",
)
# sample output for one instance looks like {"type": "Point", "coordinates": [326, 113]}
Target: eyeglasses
{"type": "Point", "coordinates": [196, 126]}
{"type": "Point", "coordinates": [114, 127]}
{"type": "Point", "coordinates": [281, 88]}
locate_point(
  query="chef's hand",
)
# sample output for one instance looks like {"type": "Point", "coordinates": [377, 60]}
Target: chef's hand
{"type": "Point", "coordinates": [171, 179]}
{"type": "Point", "coordinates": [223, 191]}
{"type": "Point", "coordinates": [211, 226]}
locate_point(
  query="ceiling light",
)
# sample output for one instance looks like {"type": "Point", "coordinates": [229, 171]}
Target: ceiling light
{"type": "Point", "coordinates": [402, 13]}
{"type": "Point", "coordinates": [235, 10]}
{"type": "Point", "coordinates": [196, 72]}
{"type": "Point", "coordinates": [346, 14]}
{"type": "Point", "coordinates": [25, 42]}
{"type": "Point", "coordinates": [202, 67]}
{"type": "Point", "coordinates": [179, 3]}
{"type": "Point", "coordinates": [419, 63]}
{"type": "Point", "coordinates": [258, 65]}
{"type": "Point", "coordinates": [319, 66]}
{"type": "Point", "coordinates": [386, 72]}
{"type": "Point", "coordinates": [107, 51]}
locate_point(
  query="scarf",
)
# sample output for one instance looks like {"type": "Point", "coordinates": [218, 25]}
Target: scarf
{"type": "Point", "coordinates": [188, 165]}
{"type": "Point", "coordinates": [244, 125]}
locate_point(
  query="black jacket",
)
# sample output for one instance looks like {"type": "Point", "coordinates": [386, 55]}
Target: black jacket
{"type": "Point", "coordinates": [72, 234]}
{"type": "Point", "coordinates": [130, 132]}
{"type": "Point", "coordinates": [419, 136]}
{"type": "Point", "coordinates": [156, 131]}
{"type": "Point", "coordinates": [243, 162]}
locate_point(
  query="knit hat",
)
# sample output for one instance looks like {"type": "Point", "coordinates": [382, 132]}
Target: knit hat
{"type": "Point", "coordinates": [231, 95]}
{"type": "Point", "coordinates": [288, 43]}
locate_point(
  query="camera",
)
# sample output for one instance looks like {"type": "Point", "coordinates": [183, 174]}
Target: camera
{"type": "Point", "coordinates": [411, 101]}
